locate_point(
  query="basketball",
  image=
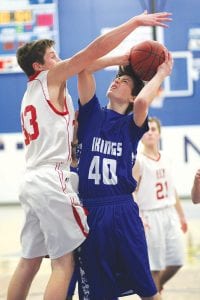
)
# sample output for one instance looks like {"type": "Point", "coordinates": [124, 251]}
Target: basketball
{"type": "Point", "coordinates": [145, 58]}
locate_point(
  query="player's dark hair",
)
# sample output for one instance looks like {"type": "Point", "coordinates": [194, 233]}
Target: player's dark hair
{"type": "Point", "coordinates": [32, 52]}
{"type": "Point", "coordinates": [138, 84]}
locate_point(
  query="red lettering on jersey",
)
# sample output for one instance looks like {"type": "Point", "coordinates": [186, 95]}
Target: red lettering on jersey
{"type": "Point", "coordinates": [160, 173]}
{"type": "Point", "coordinates": [161, 190]}
{"type": "Point", "coordinates": [29, 124]}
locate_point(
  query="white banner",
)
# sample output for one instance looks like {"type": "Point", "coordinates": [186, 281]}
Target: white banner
{"type": "Point", "coordinates": [182, 143]}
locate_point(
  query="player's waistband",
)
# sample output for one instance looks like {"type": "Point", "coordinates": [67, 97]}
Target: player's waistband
{"type": "Point", "coordinates": [111, 200]}
{"type": "Point", "coordinates": [55, 165]}
{"type": "Point", "coordinates": [155, 209]}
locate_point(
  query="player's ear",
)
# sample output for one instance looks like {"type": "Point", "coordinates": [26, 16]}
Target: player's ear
{"type": "Point", "coordinates": [37, 66]}
{"type": "Point", "coordinates": [132, 99]}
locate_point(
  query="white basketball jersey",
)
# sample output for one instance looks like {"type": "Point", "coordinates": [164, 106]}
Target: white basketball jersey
{"type": "Point", "coordinates": [47, 132]}
{"type": "Point", "coordinates": [156, 188]}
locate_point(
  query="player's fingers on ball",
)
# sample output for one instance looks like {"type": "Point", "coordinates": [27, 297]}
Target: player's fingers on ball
{"type": "Point", "coordinates": [166, 53]}
{"type": "Point", "coordinates": [171, 58]}
{"type": "Point", "coordinates": [128, 53]}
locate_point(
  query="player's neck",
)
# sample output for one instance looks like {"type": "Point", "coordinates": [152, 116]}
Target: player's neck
{"type": "Point", "coordinates": [152, 153]}
{"type": "Point", "coordinates": [117, 107]}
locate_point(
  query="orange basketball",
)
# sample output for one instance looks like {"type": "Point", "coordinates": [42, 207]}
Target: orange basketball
{"type": "Point", "coordinates": [145, 58]}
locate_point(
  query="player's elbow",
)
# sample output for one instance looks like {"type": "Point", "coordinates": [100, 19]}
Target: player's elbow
{"type": "Point", "coordinates": [140, 104]}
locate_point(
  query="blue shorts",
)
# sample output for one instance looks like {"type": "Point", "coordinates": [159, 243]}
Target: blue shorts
{"type": "Point", "coordinates": [113, 260]}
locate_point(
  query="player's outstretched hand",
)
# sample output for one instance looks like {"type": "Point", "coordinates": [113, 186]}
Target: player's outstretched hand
{"type": "Point", "coordinates": [155, 19]}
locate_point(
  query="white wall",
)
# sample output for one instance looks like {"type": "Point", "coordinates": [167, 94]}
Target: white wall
{"type": "Point", "coordinates": [12, 165]}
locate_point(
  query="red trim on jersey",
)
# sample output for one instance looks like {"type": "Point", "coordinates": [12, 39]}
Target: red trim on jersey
{"type": "Point", "coordinates": [155, 159]}
{"type": "Point", "coordinates": [77, 216]}
{"type": "Point", "coordinates": [68, 138]}
{"type": "Point", "coordinates": [61, 113]}
{"type": "Point", "coordinates": [32, 77]}
{"type": "Point", "coordinates": [61, 177]}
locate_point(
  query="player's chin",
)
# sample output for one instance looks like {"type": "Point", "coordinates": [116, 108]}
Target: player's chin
{"type": "Point", "coordinates": [109, 92]}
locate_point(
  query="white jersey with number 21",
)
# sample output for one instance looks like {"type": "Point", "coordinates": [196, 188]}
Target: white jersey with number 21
{"type": "Point", "coordinates": [156, 187]}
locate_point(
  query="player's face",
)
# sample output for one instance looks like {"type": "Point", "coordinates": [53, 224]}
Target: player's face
{"type": "Point", "coordinates": [50, 58]}
{"type": "Point", "coordinates": [120, 89]}
{"type": "Point", "coordinates": [152, 136]}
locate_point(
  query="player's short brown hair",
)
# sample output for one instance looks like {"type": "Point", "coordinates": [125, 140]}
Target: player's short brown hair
{"type": "Point", "coordinates": [157, 121]}
{"type": "Point", "coordinates": [32, 52]}
{"type": "Point", "coordinates": [138, 84]}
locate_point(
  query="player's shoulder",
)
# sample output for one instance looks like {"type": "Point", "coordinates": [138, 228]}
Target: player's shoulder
{"type": "Point", "coordinates": [165, 156]}
{"type": "Point", "coordinates": [44, 75]}
{"type": "Point", "coordinates": [140, 158]}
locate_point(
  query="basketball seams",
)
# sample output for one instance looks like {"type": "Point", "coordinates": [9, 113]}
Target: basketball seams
{"type": "Point", "coordinates": [150, 72]}
{"type": "Point", "coordinates": [146, 57]}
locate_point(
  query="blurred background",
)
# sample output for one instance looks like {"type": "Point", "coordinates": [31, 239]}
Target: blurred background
{"type": "Point", "coordinates": [73, 24]}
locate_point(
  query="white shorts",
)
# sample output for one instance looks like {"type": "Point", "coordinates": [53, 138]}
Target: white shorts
{"type": "Point", "coordinates": [164, 238]}
{"type": "Point", "coordinates": [55, 222]}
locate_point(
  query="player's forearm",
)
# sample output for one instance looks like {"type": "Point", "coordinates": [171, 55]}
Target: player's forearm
{"type": "Point", "coordinates": [179, 208]}
{"type": "Point", "coordinates": [102, 63]}
{"type": "Point", "coordinates": [145, 98]}
{"type": "Point", "coordinates": [181, 214]}
{"type": "Point", "coordinates": [107, 42]}
{"type": "Point", "coordinates": [150, 90]}
{"type": "Point", "coordinates": [107, 61]}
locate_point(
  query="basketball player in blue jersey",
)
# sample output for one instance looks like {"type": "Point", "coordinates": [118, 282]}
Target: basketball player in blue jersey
{"type": "Point", "coordinates": [113, 259]}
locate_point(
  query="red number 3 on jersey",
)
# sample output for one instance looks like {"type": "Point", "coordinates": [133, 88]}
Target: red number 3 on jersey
{"type": "Point", "coordinates": [29, 124]}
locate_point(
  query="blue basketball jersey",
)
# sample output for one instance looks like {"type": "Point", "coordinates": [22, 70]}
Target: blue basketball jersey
{"type": "Point", "coordinates": [109, 143]}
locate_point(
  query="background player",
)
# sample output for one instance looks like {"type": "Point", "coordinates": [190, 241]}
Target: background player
{"type": "Point", "coordinates": [158, 203]}
{"type": "Point", "coordinates": [55, 222]}
{"type": "Point", "coordinates": [195, 192]}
